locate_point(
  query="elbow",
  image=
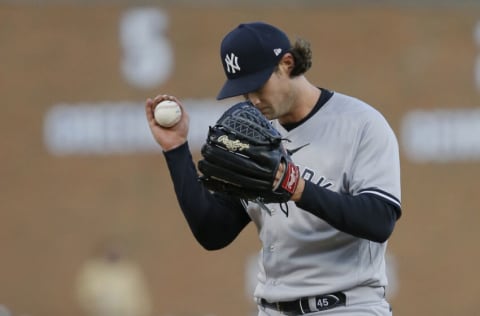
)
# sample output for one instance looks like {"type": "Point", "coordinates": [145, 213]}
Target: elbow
{"type": "Point", "coordinates": [380, 238]}
{"type": "Point", "coordinates": [382, 235]}
{"type": "Point", "coordinates": [209, 242]}
{"type": "Point", "coordinates": [210, 247]}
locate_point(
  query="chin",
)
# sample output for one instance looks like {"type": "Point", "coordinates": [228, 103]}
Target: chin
{"type": "Point", "coordinates": [265, 112]}
{"type": "Point", "coordinates": [269, 116]}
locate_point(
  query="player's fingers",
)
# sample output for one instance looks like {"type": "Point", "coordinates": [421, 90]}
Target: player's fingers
{"type": "Point", "coordinates": [162, 97]}
{"type": "Point", "coordinates": [149, 109]}
{"type": "Point", "coordinates": [158, 98]}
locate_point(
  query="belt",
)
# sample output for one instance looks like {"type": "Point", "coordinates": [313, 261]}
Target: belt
{"type": "Point", "coordinates": [307, 305]}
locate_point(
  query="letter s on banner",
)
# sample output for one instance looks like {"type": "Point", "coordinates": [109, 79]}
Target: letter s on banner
{"type": "Point", "coordinates": [148, 58]}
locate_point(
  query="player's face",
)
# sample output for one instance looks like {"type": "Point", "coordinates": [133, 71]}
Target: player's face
{"type": "Point", "coordinates": [275, 98]}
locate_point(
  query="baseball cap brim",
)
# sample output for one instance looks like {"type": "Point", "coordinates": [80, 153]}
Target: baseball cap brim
{"type": "Point", "coordinates": [245, 84]}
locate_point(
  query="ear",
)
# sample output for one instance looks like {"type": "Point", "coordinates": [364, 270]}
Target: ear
{"type": "Point", "coordinates": [287, 63]}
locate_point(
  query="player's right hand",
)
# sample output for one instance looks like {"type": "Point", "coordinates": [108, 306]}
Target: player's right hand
{"type": "Point", "coordinates": [172, 137]}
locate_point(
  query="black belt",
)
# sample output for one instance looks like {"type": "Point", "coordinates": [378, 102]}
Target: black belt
{"type": "Point", "coordinates": [302, 306]}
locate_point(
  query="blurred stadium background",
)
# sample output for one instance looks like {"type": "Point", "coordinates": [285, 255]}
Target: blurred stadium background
{"type": "Point", "coordinates": [80, 175]}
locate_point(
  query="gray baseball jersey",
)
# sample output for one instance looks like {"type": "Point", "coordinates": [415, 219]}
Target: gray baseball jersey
{"type": "Point", "coordinates": [352, 150]}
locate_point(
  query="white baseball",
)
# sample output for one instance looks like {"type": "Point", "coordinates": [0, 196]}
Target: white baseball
{"type": "Point", "coordinates": [167, 113]}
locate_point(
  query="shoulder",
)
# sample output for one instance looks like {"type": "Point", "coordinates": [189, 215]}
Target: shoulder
{"type": "Point", "coordinates": [342, 103]}
{"type": "Point", "coordinates": [354, 110]}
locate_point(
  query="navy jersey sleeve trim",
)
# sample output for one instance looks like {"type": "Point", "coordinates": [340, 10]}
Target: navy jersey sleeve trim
{"type": "Point", "coordinates": [365, 215]}
{"type": "Point", "coordinates": [387, 197]}
{"type": "Point", "coordinates": [214, 219]}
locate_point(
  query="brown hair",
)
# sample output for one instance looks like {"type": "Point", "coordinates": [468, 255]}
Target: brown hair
{"type": "Point", "coordinates": [302, 54]}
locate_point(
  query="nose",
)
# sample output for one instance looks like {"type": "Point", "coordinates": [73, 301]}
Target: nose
{"type": "Point", "coordinates": [253, 97]}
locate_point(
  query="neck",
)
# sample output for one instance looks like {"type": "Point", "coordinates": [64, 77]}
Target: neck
{"type": "Point", "coordinates": [305, 97]}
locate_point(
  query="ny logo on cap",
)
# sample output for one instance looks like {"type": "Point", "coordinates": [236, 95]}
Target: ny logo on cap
{"type": "Point", "coordinates": [232, 63]}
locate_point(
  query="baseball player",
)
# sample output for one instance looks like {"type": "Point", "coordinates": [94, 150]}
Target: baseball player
{"type": "Point", "coordinates": [323, 251]}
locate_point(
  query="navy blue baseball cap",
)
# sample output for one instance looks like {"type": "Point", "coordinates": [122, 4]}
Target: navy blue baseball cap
{"type": "Point", "coordinates": [249, 56]}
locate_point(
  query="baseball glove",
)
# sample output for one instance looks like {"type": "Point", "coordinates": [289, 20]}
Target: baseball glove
{"type": "Point", "coordinates": [242, 155]}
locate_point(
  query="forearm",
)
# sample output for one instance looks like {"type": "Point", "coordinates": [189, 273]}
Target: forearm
{"type": "Point", "coordinates": [365, 215]}
{"type": "Point", "coordinates": [214, 220]}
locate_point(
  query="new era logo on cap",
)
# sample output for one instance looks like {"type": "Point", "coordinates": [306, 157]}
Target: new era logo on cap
{"type": "Point", "coordinates": [247, 57]}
